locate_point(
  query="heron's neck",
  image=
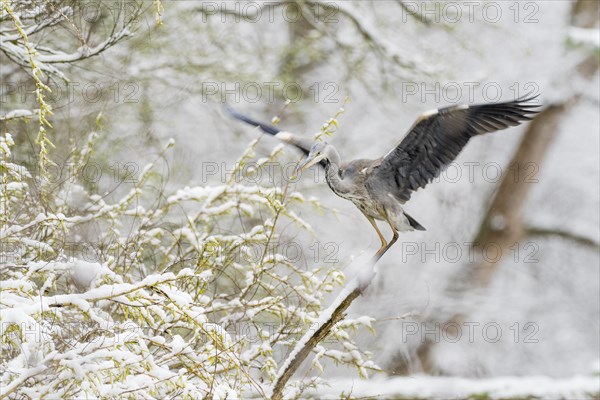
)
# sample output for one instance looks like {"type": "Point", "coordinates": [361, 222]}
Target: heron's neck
{"type": "Point", "coordinates": [332, 175]}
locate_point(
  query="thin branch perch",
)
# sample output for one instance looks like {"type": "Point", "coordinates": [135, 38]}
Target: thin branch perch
{"type": "Point", "coordinates": [334, 313]}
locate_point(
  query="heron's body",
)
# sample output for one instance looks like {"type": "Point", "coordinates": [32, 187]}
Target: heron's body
{"type": "Point", "coordinates": [349, 182]}
{"type": "Point", "coordinates": [381, 187]}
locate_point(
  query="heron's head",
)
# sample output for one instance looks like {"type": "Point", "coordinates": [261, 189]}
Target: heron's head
{"type": "Point", "coordinates": [319, 151]}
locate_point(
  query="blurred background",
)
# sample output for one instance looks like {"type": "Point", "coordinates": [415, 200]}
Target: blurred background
{"type": "Point", "coordinates": [505, 282]}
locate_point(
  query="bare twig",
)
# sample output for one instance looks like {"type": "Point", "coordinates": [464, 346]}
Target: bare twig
{"type": "Point", "coordinates": [580, 239]}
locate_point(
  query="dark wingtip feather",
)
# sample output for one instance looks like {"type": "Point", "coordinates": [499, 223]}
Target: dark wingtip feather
{"type": "Point", "coordinates": [527, 97]}
{"type": "Point", "coordinates": [524, 103]}
{"type": "Point", "coordinates": [270, 129]}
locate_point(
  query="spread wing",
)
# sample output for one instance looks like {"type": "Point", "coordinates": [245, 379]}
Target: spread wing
{"type": "Point", "coordinates": [436, 139]}
{"type": "Point", "coordinates": [300, 142]}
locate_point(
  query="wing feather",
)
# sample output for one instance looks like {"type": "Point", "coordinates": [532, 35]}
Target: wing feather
{"type": "Point", "coordinates": [436, 139]}
{"type": "Point", "coordinates": [300, 142]}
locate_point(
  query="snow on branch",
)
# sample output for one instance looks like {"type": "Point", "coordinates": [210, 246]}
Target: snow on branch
{"type": "Point", "coordinates": [373, 38]}
{"type": "Point", "coordinates": [167, 303]}
{"type": "Point", "coordinates": [326, 322]}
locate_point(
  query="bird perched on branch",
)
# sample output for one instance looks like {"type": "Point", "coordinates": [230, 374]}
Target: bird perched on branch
{"type": "Point", "coordinates": [380, 187]}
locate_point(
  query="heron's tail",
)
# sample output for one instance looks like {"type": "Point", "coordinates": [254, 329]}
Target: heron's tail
{"type": "Point", "coordinates": [270, 129]}
{"type": "Point", "coordinates": [413, 222]}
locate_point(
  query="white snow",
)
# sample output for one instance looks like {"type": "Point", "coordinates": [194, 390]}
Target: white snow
{"type": "Point", "coordinates": [83, 273]}
{"type": "Point", "coordinates": [590, 36]}
{"type": "Point", "coordinates": [18, 114]}
{"type": "Point", "coordinates": [430, 387]}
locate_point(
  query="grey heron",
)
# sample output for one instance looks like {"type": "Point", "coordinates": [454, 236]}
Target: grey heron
{"type": "Point", "coordinates": [380, 187]}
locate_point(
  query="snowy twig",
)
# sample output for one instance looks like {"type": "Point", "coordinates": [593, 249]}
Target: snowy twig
{"type": "Point", "coordinates": [328, 319]}
{"type": "Point", "coordinates": [14, 385]}
{"type": "Point", "coordinates": [372, 37]}
{"type": "Point", "coordinates": [50, 20]}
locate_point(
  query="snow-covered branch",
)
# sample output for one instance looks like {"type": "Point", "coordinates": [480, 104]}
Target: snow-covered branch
{"type": "Point", "coordinates": [327, 321]}
{"type": "Point", "coordinates": [178, 303]}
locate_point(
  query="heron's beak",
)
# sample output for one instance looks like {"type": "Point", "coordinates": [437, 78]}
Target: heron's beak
{"type": "Point", "coordinates": [309, 162]}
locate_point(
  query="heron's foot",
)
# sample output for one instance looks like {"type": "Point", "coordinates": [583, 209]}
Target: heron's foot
{"type": "Point", "coordinates": [384, 247]}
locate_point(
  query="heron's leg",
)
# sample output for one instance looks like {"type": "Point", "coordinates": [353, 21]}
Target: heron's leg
{"type": "Point", "coordinates": [383, 241]}
{"type": "Point", "coordinates": [394, 238]}
{"type": "Point", "coordinates": [385, 248]}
